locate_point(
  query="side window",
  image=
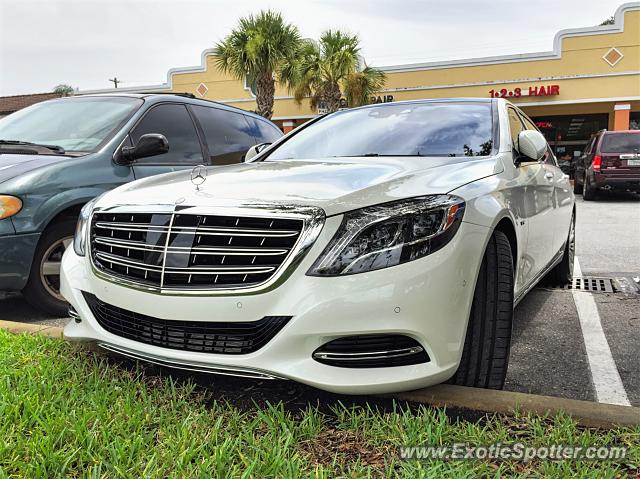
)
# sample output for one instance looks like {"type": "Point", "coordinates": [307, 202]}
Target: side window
{"type": "Point", "coordinates": [515, 125]}
{"type": "Point", "coordinates": [264, 131]}
{"type": "Point", "coordinates": [589, 148]}
{"type": "Point", "coordinates": [174, 122]}
{"type": "Point", "coordinates": [227, 133]}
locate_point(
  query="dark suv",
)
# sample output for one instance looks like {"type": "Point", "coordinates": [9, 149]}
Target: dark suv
{"type": "Point", "coordinates": [611, 161]}
{"type": "Point", "coordinates": [57, 155]}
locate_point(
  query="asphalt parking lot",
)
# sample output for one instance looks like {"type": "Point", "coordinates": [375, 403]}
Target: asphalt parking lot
{"type": "Point", "coordinates": [557, 350]}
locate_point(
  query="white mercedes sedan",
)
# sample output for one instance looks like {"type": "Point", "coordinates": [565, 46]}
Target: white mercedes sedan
{"type": "Point", "coordinates": [372, 250]}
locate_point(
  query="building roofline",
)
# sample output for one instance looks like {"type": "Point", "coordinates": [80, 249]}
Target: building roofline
{"type": "Point", "coordinates": [556, 53]}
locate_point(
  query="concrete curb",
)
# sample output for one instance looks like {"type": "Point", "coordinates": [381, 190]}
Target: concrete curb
{"type": "Point", "coordinates": [39, 329]}
{"type": "Point", "coordinates": [586, 413]}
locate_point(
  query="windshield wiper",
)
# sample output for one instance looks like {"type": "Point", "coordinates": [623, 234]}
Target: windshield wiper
{"type": "Point", "coordinates": [55, 148]}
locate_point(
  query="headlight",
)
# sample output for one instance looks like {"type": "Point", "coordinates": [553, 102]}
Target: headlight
{"type": "Point", "coordinates": [9, 206]}
{"type": "Point", "coordinates": [80, 238]}
{"type": "Point", "coordinates": [380, 236]}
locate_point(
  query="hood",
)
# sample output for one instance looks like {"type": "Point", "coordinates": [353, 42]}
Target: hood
{"type": "Point", "coordinates": [12, 165]}
{"type": "Point", "coordinates": [336, 185]}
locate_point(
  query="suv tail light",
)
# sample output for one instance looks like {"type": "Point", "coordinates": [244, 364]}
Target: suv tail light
{"type": "Point", "coordinates": [597, 161]}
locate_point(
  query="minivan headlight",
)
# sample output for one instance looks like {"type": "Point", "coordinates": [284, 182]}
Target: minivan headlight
{"type": "Point", "coordinates": [386, 235]}
{"type": "Point", "coordinates": [80, 237]}
{"type": "Point", "coordinates": [9, 206]}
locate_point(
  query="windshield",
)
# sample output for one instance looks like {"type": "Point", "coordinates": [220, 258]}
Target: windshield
{"type": "Point", "coordinates": [75, 124]}
{"type": "Point", "coordinates": [620, 143]}
{"type": "Point", "coordinates": [409, 129]}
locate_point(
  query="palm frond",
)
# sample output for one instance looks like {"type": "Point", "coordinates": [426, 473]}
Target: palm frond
{"type": "Point", "coordinates": [360, 87]}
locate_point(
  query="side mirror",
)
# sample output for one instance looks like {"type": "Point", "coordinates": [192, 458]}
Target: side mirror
{"type": "Point", "coordinates": [254, 150]}
{"type": "Point", "coordinates": [151, 144]}
{"type": "Point", "coordinates": [532, 145]}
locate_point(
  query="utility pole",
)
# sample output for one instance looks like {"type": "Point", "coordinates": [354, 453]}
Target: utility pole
{"type": "Point", "coordinates": [115, 81]}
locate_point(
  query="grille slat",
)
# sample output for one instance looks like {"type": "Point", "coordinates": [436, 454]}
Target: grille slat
{"type": "Point", "coordinates": [188, 251]}
{"type": "Point", "coordinates": [207, 337]}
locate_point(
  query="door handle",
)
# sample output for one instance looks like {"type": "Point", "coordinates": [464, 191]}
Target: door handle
{"type": "Point", "coordinates": [548, 175]}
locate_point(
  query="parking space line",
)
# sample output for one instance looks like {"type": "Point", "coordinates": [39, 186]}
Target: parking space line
{"type": "Point", "coordinates": [604, 373]}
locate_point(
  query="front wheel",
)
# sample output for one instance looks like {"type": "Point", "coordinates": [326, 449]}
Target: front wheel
{"type": "Point", "coordinates": [577, 187]}
{"type": "Point", "coordinates": [485, 356]}
{"type": "Point", "coordinates": [589, 192]}
{"type": "Point", "coordinates": [43, 287]}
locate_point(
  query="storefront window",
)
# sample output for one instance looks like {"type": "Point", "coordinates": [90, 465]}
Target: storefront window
{"type": "Point", "coordinates": [634, 120]}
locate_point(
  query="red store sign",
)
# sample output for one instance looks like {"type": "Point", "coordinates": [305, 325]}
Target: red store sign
{"type": "Point", "coordinates": [541, 90]}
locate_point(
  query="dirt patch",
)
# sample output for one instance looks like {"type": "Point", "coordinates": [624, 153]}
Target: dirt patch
{"type": "Point", "coordinates": [340, 448]}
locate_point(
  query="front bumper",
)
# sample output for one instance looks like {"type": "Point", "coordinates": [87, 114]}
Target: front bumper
{"type": "Point", "coordinates": [16, 256]}
{"type": "Point", "coordinates": [428, 299]}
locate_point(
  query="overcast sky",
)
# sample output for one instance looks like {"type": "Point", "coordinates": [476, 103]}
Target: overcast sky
{"type": "Point", "coordinates": [84, 42]}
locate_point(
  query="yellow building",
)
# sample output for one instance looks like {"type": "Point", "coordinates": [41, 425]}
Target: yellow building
{"type": "Point", "coordinates": [589, 81]}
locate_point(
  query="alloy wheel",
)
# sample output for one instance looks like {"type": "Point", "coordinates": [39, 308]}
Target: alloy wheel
{"type": "Point", "coordinates": [50, 266]}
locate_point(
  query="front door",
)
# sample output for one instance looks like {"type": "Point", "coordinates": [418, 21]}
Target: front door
{"type": "Point", "coordinates": [537, 208]}
{"type": "Point", "coordinates": [185, 149]}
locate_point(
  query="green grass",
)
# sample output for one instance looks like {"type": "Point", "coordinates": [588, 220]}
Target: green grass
{"type": "Point", "coordinates": [67, 413]}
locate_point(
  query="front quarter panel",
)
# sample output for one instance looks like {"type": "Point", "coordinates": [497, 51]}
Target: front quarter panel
{"type": "Point", "coordinates": [492, 199]}
{"type": "Point", "coordinates": [47, 191]}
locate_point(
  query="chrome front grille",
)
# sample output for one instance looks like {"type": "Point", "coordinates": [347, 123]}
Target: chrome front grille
{"type": "Point", "coordinates": [176, 250]}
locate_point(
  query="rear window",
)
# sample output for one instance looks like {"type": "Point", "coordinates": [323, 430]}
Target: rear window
{"type": "Point", "coordinates": [620, 143]}
{"type": "Point", "coordinates": [405, 129]}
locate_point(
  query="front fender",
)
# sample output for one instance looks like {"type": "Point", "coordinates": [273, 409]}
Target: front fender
{"type": "Point", "coordinates": [39, 209]}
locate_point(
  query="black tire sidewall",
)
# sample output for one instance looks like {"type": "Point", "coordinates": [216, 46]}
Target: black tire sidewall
{"type": "Point", "coordinates": [35, 291]}
{"type": "Point", "coordinates": [485, 354]}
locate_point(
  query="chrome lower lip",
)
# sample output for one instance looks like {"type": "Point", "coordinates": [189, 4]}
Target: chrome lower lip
{"type": "Point", "coordinates": [371, 355]}
{"type": "Point", "coordinates": [190, 366]}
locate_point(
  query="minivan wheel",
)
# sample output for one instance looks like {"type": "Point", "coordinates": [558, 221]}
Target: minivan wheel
{"type": "Point", "coordinates": [485, 356]}
{"type": "Point", "coordinates": [589, 192]}
{"type": "Point", "coordinates": [562, 273]}
{"type": "Point", "coordinates": [43, 287]}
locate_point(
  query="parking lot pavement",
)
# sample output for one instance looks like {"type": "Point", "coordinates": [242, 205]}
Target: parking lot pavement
{"type": "Point", "coordinates": [549, 345]}
{"type": "Point", "coordinates": [13, 307]}
{"type": "Point", "coordinates": [608, 234]}
{"type": "Point", "coordinates": [547, 351]}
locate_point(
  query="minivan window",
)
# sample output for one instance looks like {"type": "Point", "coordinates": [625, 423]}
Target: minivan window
{"type": "Point", "coordinates": [620, 143]}
{"type": "Point", "coordinates": [228, 134]}
{"type": "Point", "coordinates": [403, 129]}
{"type": "Point", "coordinates": [174, 122]}
{"type": "Point", "coordinates": [77, 124]}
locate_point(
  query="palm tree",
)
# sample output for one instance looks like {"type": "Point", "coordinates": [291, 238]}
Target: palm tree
{"type": "Point", "coordinates": [359, 87]}
{"type": "Point", "coordinates": [324, 70]}
{"type": "Point", "coordinates": [257, 49]}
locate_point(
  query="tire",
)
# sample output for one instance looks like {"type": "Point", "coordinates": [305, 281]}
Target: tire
{"type": "Point", "coordinates": [562, 273]}
{"type": "Point", "coordinates": [42, 288]}
{"type": "Point", "coordinates": [485, 356]}
{"type": "Point", "coordinates": [577, 187]}
{"type": "Point", "coordinates": [589, 192]}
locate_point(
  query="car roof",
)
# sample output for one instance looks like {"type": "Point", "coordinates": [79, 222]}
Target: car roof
{"type": "Point", "coordinates": [182, 97]}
